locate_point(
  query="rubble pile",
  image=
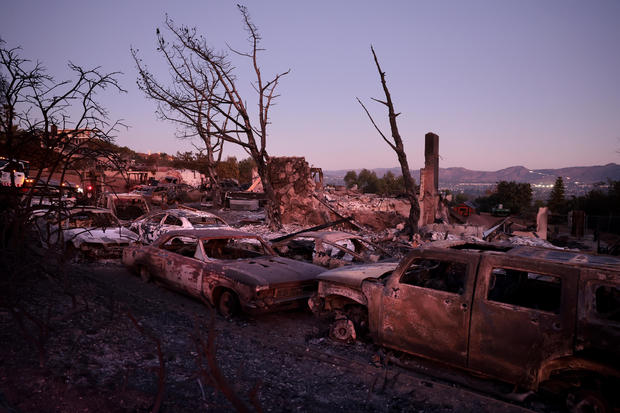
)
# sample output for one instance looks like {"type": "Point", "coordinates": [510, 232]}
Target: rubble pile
{"type": "Point", "coordinates": [294, 187]}
{"type": "Point", "coordinates": [368, 210]}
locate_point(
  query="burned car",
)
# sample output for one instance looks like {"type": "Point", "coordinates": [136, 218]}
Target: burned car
{"type": "Point", "coordinates": [49, 194]}
{"type": "Point", "coordinates": [330, 249]}
{"type": "Point", "coordinates": [533, 317]}
{"type": "Point", "coordinates": [156, 195]}
{"type": "Point", "coordinates": [151, 226]}
{"type": "Point", "coordinates": [126, 207]}
{"type": "Point", "coordinates": [232, 270]}
{"type": "Point", "coordinates": [88, 232]}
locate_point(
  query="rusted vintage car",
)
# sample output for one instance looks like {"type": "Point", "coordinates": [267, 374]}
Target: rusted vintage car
{"type": "Point", "coordinates": [330, 249]}
{"type": "Point", "coordinates": [231, 270]}
{"type": "Point", "coordinates": [84, 232]}
{"type": "Point", "coordinates": [150, 226]}
{"type": "Point", "coordinates": [524, 315]}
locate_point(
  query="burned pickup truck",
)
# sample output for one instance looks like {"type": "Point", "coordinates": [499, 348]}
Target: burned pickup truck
{"type": "Point", "coordinates": [523, 315]}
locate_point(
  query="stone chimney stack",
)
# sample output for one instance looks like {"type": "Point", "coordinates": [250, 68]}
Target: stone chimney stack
{"type": "Point", "coordinates": [429, 180]}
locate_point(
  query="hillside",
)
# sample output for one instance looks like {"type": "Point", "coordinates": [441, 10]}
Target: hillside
{"type": "Point", "coordinates": [581, 174]}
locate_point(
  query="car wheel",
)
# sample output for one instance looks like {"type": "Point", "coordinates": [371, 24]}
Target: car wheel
{"type": "Point", "coordinates": [588, 401]}
{"type": "Point", "coordinates": [359, 316]}
{"type": "Point", "coordinates": [228, 304]}
{"type": "Point", "coordinates": [145, 274]}
{"type": "Point", "coordinates": [343, 330]}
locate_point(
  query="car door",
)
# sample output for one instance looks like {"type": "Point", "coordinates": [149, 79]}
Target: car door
{"type": "Point", "coordinates": [426, 304]}
{"type": "Point", "coordinates": [170, 223]}
{"type": "Point", "coordinates": [149, 228]}
{"type": "Point", "coordinates": [182, 270]}
{"type": "Point", "coordinates": [523, 314]}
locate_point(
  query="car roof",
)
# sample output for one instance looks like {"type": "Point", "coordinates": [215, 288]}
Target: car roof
{"type": "Point", "coordinates": [550, 255]}
{"type": "Point", "coordinates": [126, 195]}
{"type": "Point", "coordinates": [568, 257]}
{"type": "Point", "coordinates": [211, 233]}
{"type": "Point", "coordinates": [89, 209]}
{"type": "Point", "coordinates": [182, 212]}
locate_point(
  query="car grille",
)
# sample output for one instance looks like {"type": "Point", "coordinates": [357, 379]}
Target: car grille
{"type": "Point", "coordinates": [296, 291]}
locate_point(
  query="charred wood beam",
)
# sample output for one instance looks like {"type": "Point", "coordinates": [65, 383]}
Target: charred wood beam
{"type": "Point", "coordinates": [350, 219]}
{"type": "Point", "coordinates": [316, 228]}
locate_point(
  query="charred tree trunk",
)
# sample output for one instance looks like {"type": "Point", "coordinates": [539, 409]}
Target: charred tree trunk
{"type": "Point", "coordinates": [216, 189]}
{"type": "Point", "coordinates": [397, 145]}
{"type": "Point", "coordinates": [272, 209]}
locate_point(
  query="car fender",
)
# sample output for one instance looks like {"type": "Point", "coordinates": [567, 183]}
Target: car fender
{"type": "Point", "coordinates": [327, 290]}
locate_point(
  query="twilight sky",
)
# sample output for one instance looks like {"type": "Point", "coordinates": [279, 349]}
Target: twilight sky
{"type": "Point", "coordinates": [503, 83]}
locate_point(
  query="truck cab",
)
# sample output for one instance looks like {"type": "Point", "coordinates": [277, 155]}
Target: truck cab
{"type": "Point", "coordinates": [522, 315]}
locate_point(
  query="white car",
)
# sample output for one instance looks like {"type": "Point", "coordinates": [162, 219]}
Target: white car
{"type": "Point", "coordinates": [149, 227]}
{"type": "Point", "coordinates": [8, 167]}
{"type": "Point", "coordinates": [87, 231]}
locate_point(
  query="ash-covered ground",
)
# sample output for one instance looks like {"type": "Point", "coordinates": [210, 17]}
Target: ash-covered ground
{"type": "Point", "coordinates": [78, 350]}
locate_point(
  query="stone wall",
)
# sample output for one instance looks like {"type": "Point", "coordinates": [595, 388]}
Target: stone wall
{"type": "Point", "coordinates": [294, 187]}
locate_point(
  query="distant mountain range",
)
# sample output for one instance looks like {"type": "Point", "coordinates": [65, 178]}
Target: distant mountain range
{"type": "Point", "coordinates": [447, 176]}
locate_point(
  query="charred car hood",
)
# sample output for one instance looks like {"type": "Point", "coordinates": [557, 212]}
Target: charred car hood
{"type": "Point", "coordinates": [107, 236]}
{"type": "Point", "coordinates": [353, 275]}
{"type": "Point", "coordinates": [271, 270]}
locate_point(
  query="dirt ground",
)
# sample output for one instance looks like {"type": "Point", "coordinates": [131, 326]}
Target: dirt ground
{"type": "Point", "coordinates": [87, 355]}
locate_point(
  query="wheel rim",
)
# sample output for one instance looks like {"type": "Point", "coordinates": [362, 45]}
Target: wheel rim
{"type": "Point", "coordinates": [343, 330]}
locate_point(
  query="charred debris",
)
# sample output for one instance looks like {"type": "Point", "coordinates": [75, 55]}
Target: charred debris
{"type": "Point", "coordinates": [346, 255]}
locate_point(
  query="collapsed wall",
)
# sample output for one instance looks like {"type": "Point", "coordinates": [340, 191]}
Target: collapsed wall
{"type": "Point", "coordinates": [294, 187]}
{"type": "Point", "coordinates": [304, 201]}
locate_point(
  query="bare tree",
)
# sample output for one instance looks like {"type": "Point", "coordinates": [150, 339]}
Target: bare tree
{"type": "Point", "coordinates": [397, 145]}
{"type": "Point", "coordinates": [188, 100]}
{"type": "Point", "coordinates": [229, 117]}
{"type": "Point", "coordinates": [41, 115]}
{"type": "Point", "coordinates": [38, 117]}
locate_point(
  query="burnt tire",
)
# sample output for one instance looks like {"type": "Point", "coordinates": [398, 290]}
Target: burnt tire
{"type": "Point", "coordinates": [343, 330]}
{"type": "Point", "coordinates": [228, 304]}
{"type": "Point", "coordinates": [145, 274]}
{"type": "Point", "coordinates": [358, 314]}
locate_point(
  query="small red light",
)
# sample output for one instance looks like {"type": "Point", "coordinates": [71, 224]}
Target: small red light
{"type": "Point", "coordinates": [90, 188]}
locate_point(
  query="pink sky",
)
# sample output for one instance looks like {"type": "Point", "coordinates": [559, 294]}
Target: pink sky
{"type": "Point", "coordinates": [502, 83]}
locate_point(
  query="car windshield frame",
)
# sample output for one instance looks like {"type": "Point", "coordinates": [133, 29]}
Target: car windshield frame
{"type": "Point", "coordinates": [267, 251]}
{"type": "Point", "coordinates": [95, 219]}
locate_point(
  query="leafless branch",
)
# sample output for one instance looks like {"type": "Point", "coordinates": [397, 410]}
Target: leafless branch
{"type": "Point", "coordinates": [161, 372]}
{"type": "Point", "coordinates": [211, 371]}
{"type": "Point", "coordinates": [204, 100]}
{"type": "Point", "coordinates": [375, 125]}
